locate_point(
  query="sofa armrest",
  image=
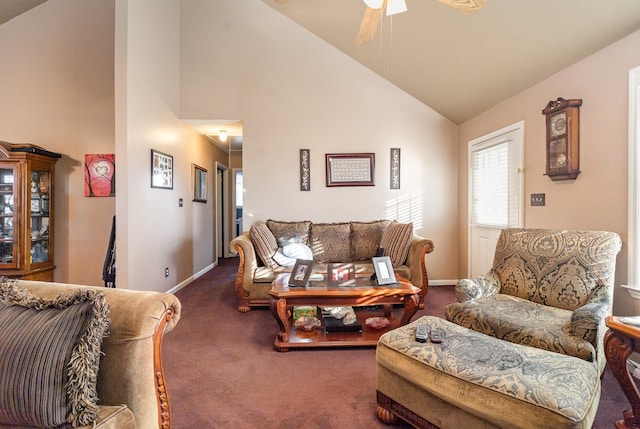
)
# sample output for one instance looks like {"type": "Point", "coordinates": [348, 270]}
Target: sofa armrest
{"type": "Point", "coordinates": [243, 246]}
{"type": "Point", "coordinates": [588, 320]}
{"type": "Point", "coordinates": [131, 369]}
{"type": "Point", "coordinates": [472, 289]}
{"type": "Point", "coordinates": [420, 246]}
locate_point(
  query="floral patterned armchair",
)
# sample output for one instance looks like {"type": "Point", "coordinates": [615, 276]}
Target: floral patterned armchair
{"type": "Point", "coordinates": [548, 289]}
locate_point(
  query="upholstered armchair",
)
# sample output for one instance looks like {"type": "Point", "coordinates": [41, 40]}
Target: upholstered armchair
{"type": "Point", "coordinates": [548, 289]}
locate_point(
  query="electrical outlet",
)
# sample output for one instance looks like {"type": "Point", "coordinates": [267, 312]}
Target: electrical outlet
{"type": "Point", "coordinates": [180, 202]}
{"type": "Point", "coordinates": [537, 199]}
{"type": "Point", "coordinates": [166, 272]}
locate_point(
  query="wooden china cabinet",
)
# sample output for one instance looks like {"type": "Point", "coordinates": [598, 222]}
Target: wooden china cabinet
{"type": "Point", "coordinates": [26, 211]}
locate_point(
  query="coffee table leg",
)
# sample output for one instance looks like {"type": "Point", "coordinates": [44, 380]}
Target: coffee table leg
{"type": "Point", "coordinates": [410, 308]}
{"type": "Point", "coordinates": [281, 314]}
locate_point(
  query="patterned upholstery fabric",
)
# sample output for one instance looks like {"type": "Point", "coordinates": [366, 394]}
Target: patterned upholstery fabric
{"type": "Point", "coordinates": [282, 229]}
{"type": "Point", "coordinates": [548, 270]}
{"type": "Point", "coordinates": [365, 239]}
{"type": "Point", "coordinates": [330, 242]}
{"type": "Point", "coordinates": [504, 384]}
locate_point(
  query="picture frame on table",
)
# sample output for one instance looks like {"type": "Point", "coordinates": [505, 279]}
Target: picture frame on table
{"type": "Point", "coordinates": [384, 270]}
{"type": "Point", "coordinates": [161, 170]}
{"type": "Point", "coordinates": [301, 272]}
{"type": "Point", "coordinates": [343, 274]}
{"type": "Point", "coordinates": [350, 169]}
{"type": "Point", "coordinates": [199, 184]}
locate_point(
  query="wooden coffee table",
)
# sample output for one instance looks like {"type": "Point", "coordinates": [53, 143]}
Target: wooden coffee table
{"type": "Point", "coordinates": [365, 293]}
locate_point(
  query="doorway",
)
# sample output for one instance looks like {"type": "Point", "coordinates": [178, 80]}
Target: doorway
{"type": "Point", "coordinates": [495, 192]}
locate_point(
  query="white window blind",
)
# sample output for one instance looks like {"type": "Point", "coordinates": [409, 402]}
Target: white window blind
{"type": "Point", "coordinates": [494, 180]}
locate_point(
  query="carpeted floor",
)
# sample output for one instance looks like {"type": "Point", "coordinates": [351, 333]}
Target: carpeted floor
{"type": "Point", "coordinates": [223, 372]}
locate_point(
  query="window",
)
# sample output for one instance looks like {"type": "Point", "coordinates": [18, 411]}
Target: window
{"type": "Point", "coordinates": [634, 184]}
{"type": "Point", "coordinates": [495, 183]}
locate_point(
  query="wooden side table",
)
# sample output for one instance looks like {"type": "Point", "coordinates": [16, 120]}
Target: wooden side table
{"type": "Point", "coordinates": [619, 342]}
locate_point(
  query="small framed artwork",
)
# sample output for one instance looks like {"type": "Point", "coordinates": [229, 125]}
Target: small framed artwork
{"type": "Point", "coordinates": [394, 169]}
{"type": "Point", "coordinates": [199, 184]}
{"type": "Point", "coordinates": [350, 169]}
{"type": "Point", "coordinates": [161, 170]}
{"type": "Point", "coordinates": [341, 273]}
{"type": "Point", "coordinates": [301, 272]}
{"type": "Point", "coordinates": [99, 175]}
{"type": "Point", "coordinates": [305, 170]}
{"type": "Point", "coordinates": [384, 270]}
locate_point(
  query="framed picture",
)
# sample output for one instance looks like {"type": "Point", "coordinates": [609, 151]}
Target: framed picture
{"type": "Point", "coordinates": [305, 170]}
{"type": "Point", "coordinates": [199, 184]}
{"type": "Point", "coordinates": [161, 170]}
{"type": "Point", "coordinates": [394, 168]}
{"type": "Point", "coordinates": [99, 175]}
{"type": "Point", "coordinates": [301, 272]}
{"type": "Point", "coordinates": [350, 169]}
{"type": "Point", "coordinates": [384, 270]}
{"type": "Point", "coordinates": [341, 273]}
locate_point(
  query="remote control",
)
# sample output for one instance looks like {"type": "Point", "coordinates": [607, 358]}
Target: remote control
{"type": "Point", "coordinates": [436, 336]}
{"type": "Point", "coordinates": [422, 332]}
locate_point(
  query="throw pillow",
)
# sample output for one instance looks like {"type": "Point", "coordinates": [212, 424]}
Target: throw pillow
{"type": "Point", "coordinates": [264, 243]}
{"type": "Point", "coordinates": [50, 357]}
{"type": "Point", "coordinates": [286, 256]}
{"type": "Point", "coordinates": [396, 241]}
{"type": "Point", "coordinates": [365, 238]}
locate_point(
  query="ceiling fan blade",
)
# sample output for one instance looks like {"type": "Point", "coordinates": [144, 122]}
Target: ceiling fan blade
{"type": "Point", "coordinates": [369, 24]}
{"type": "Point", "coordinates": [465, 6]}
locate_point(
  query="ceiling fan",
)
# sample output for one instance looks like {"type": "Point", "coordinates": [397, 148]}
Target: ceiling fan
{"type": "Point", "coordinates": [373, 13]}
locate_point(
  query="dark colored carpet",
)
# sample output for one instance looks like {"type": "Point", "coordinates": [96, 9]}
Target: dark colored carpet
{"type": "Point", "coordinates": [223, 372]}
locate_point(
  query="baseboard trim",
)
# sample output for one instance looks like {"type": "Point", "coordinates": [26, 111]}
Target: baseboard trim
{"type": "Point", "coordinates": [442, 282]}
{"type": "Point", "coordinates": [188, 280]}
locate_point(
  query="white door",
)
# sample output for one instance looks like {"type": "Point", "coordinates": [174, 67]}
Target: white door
{"type": "Point", "coordinates": [495, 192]}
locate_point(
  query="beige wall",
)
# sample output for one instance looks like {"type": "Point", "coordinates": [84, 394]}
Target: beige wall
{"type": "Point", "coordinates": [242, 59]}
{"type": "Point", "coordinates": [155, 230]}
{"type": "Point", "coordinates": [597, 199]}
{"type": "Point", "coordinates": [56, 82]}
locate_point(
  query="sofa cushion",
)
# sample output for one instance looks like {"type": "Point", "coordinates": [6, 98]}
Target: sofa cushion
{"type": "Point", "coordinates": [330, 242]}
{"type": "Point", "coordinates": [288, 230]}
{"type": "Point", "coordinates": [50, 356]}
{"type": "Point", "coordinates": [265, 244]}
{"type": "Point", "coordinates": [558, 268]}
{"type": "Point", "coordinates": [396, 241]}
{"type": "Point", "coordinates": [523, 322]}
{"type": "Point", "coordinates": [365, 238]}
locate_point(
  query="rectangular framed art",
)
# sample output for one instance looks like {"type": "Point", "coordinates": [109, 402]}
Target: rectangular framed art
{"type": "Point", "coordinates": [161, 170]}
{"type": "Point", "coordinates": [350, 169]}
{"type": "Point", "coordinates": [384, 270]}
{"type": "Point", "coordinates": [199, 184]}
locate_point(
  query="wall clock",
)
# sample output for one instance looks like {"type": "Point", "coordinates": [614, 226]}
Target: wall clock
{"type": "Point", "coordinates": [563, 138]}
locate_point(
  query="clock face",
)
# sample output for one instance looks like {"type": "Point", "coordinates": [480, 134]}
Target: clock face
{"type": "Point", "coordinates": [559, 124]}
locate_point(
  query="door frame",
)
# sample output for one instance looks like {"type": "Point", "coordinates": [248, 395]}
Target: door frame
{"type": "Point", "coordinates": [222, 214]}
{"type": "Point", "coordinates": [518, 130]}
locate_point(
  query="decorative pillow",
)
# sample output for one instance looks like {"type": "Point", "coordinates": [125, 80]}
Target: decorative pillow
{"type": "Point", "coordinates": [264, 243]}
{"type": "Point", "coordinates": [287, 255]}
{"type": "Point", "coordinates": [330, 242]}
{"type": "Point", "coordinates": [396, 241]}
{"type": "Point", "coordinates": [365, 238]}
{"type": "Point", "coordinates": [50, 357]}
{"type": "Point", "coordinates": [290, 229]}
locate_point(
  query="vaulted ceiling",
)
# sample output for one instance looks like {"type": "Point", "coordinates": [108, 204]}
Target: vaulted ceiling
{"type": "Point", "coordinates": [459, 64]}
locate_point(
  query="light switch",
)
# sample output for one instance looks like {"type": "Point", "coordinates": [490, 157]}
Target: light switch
{"type": "Point", "coordinates": [537, 199]}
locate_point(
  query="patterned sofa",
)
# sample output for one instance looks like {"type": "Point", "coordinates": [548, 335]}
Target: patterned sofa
{"type": "Point", "coordinates": [355, 242]}
{"type": "Point", "coordinates": [548, 289]}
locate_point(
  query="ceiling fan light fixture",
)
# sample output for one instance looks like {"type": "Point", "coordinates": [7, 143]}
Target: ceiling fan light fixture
{"type": "Point", "coordinates": [396, 6]}
{"type": "Point", "coordinates": [373, 4]}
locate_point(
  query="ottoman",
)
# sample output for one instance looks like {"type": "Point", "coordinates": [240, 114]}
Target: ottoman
{"type": "Point", "coordinates": [471, 380]}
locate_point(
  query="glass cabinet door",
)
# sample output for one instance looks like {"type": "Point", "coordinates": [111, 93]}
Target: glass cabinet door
{"type": "Point", "coordinates": [39, 192]}
{"type": "Point", "coordinates": [8, 236]}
